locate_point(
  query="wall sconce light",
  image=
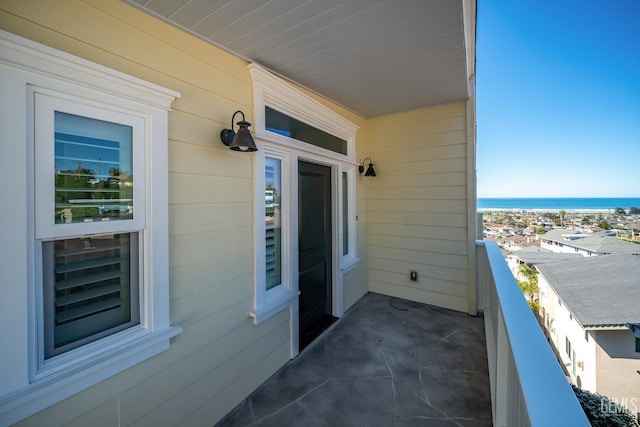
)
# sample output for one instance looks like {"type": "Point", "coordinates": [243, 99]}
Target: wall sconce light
{"type": "Point", "coordinates": [370, 171]}
{"type": "Point", "coordinates": [241, 140]}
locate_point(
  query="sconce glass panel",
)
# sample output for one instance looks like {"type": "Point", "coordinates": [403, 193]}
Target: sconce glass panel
{"type": "Point", "coordinates": [272, 218]}
{"type": "Point", "coordinates": [282, 124]}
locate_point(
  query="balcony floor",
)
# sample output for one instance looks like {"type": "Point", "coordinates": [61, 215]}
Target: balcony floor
{"type": "Point", "coordinates": [387, 362]}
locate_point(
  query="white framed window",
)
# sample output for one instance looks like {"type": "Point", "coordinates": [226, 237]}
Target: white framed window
{"type": "Point", "coordinates": [348, 236]}
{"type": "Point", "coordinates": [273, 234]}
{"type": "Point", "coordinates": [91, 291]}
{"type": "Point", "coordinates": [290, 126]}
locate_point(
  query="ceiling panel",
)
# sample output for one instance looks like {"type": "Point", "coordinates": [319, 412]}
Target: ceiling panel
{"type": "Point", "coordinates": [374, 57]}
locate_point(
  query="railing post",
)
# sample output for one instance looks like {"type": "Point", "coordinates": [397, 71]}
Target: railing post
{"type": "Point", "coordinates": [502, 375]}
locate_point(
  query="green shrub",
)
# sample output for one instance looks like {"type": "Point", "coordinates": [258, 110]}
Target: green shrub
{"type": "Point", "coordinates": [604, 412]}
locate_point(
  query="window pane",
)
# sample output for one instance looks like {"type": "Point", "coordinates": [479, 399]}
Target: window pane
{"type": "Point", "coordinates": [345, 213]}
{"type": "Point", "coordinates": [93, 170]}
{"type": "Point", "coordinates": [273, 228]}
{"type": "Point", "coordinates": [288, 126]}
{"type": "Point", "coordinates": [90, 289]}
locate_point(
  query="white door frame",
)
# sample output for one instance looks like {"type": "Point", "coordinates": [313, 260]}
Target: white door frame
{"type": "Point", "coordinates": [272, 91]}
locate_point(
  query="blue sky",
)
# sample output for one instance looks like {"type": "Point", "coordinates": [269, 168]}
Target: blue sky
{"type": "Point", "coordinates": [558, 98]}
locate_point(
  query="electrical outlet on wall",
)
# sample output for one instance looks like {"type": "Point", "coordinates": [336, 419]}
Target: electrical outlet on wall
{"type": "Point", "coordinates": [414, 275]}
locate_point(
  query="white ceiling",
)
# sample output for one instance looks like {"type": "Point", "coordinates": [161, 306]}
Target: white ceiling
{"type": "Point", "coordinates": [374, 57]}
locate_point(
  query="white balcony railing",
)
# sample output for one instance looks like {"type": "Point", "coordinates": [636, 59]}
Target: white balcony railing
{"type": "Point", "coordinates": [528, 387]}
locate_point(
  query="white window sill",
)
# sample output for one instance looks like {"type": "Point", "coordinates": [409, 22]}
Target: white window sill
{"type": "Point", "coordinates": [277, 301]}
{"type": "Point", "coordinates": [56, 387]}
{"type": "Point", "coordinates": [348, 263]}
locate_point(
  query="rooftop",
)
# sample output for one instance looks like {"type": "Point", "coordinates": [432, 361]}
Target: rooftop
{"type": "Point", "coordinates": [386, 362]}
{"type": "Point", "coordinates": [599, 291]}
{"type": "Point", "coordinates": [601, 242]}
{"type": "Point", "coordinates": [537, 255]}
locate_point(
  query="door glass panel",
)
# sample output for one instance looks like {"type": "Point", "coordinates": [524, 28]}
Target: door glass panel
{"type": "Point", "coordinates": [273, 227]}
{"type": "Point", "coordinates": [282, 124]}
{"type": "Point", "coordinates": [93, 170]}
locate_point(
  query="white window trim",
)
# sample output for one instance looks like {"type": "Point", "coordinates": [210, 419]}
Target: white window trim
{"type": "Point", "coordinates": [272, 301]}
{"type": "Point", "coordinates": [269, 90]}
{"type": "Point", "coordinates": [349, 261]}
{"type": "Point", "coordinates": [24, 390]}
{"type": "Point", "coordinates": [45, 102]}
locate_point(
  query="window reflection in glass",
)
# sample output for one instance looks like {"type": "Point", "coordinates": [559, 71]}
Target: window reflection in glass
{"type": "Point", "coordinates": [345, 213]}
{"type": "Point", "coordinates": [93, 170]}
{"type": "Point", "coordinates": [273, 217]}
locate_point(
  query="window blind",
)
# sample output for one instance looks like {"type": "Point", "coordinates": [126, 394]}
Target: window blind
{"type": "Point", "coordinates": [273, 230]}
{"type": "Point", "coordinates": [90, 289]}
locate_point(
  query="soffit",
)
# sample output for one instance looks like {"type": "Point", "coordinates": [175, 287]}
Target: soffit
{"type": "Point", "coordinates": [374, 57]}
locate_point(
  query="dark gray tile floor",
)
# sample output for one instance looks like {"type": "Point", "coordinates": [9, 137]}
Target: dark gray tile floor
{"type": "Point", "coordinates": [387, 362]}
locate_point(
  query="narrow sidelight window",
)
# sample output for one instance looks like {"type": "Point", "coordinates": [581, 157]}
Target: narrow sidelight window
{"type": "Point", "coordinates": [273, 218]}
{"type": "Point", "coordinates": [345, 213]}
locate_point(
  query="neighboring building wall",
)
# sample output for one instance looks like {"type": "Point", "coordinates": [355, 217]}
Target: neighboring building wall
{"type": "Point", "coordinates": [418, 217]}
{"type": "Point", "coordinates": [618, 371]}
{"type": "Point", "coordinates": [221, 356]}
{"type": "Point", "coordinates": [580, 361]}
{"type": "Point", "coordinates": [559, 247]}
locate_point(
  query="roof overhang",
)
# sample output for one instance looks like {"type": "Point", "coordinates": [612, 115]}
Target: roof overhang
{"type": "Point", "coordinates": [605, 328]}
{"type": "Point", "coordinates": [373, 57]}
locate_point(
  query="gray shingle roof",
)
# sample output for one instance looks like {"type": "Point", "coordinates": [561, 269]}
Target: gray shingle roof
{"type": "Point", "coordinates": [536, 255]}
{"type": "Point", "coordinates": [599, 291]}
{"type": "Point", "coordinates": [601, 242]}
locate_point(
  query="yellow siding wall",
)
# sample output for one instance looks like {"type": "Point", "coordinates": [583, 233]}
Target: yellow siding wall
{"type": "Point", "coordinates": [221, 356]}
{"type": "Point", "coordinates": [417, 206]}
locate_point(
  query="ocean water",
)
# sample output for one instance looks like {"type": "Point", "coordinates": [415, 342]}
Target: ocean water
{"type": "Point", "coordinates": [557, 204]}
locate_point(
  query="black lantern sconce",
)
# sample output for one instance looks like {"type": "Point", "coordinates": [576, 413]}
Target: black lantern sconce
{"type": "Point", "coordinates": [370, 171]}
{"type": "Point", "coordinates": [241, 140]}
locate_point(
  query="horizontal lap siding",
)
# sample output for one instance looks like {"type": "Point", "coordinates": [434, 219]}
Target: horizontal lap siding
{"type": "Point", "coordinates": [417, 208]}
{"type": "Point", "coordinates": [221, 356]}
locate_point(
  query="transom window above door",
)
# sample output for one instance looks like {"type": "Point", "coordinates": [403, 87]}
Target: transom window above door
{"type": "Point", "coordinates": [282, 124]}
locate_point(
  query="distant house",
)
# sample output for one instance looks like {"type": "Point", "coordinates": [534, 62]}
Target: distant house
{"type": "Point", "coordinates": [633, 230]}
{"type": "Point", "coordinates": [586, 244]}
{"type": "Point", "coordinates": [519, 241]}
{"type": "Point", "coordinates": [590, 306]}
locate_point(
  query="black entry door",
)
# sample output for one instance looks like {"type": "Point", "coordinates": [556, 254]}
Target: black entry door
{"type": "Point", "coordinates": [314, 239]}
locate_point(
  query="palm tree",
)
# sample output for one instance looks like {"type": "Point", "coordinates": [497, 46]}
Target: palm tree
{"type": "Point", "coordinates": [529, 286]}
